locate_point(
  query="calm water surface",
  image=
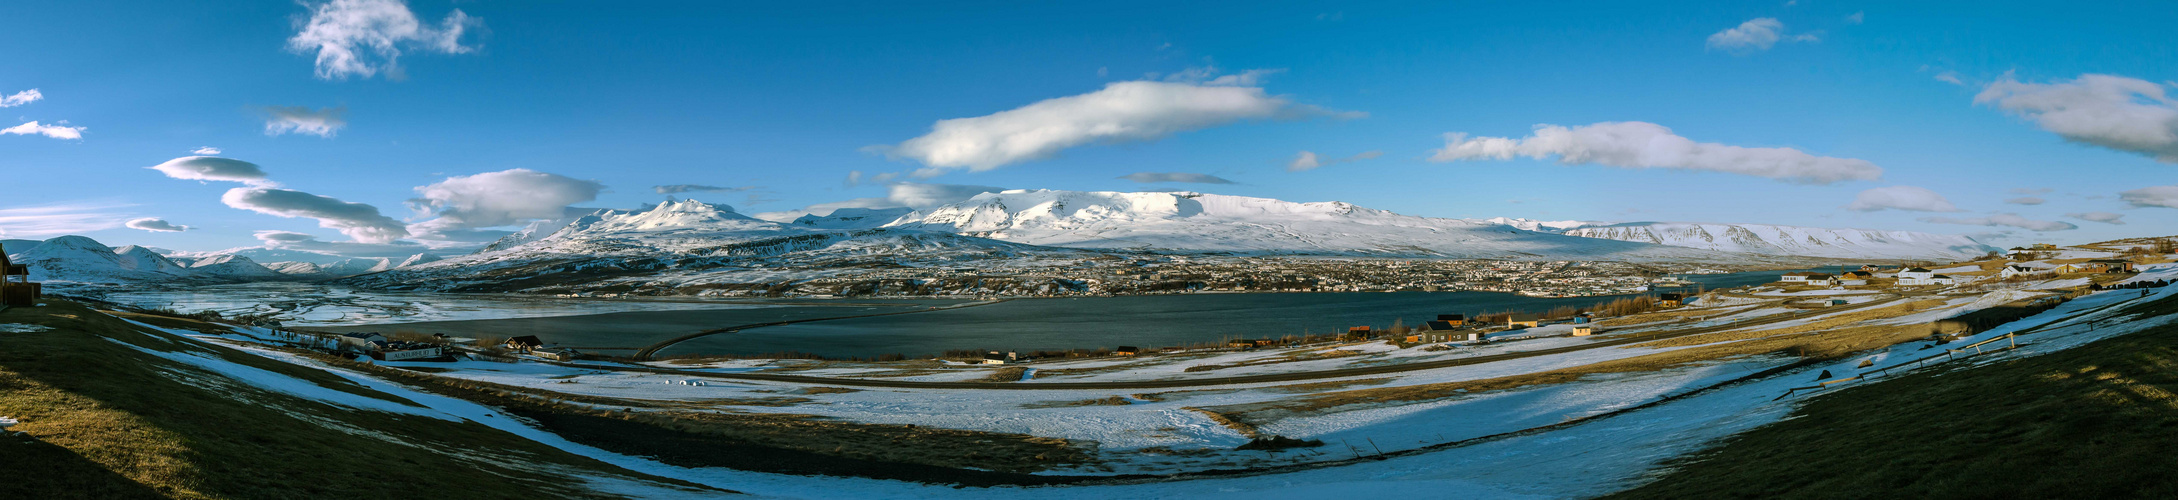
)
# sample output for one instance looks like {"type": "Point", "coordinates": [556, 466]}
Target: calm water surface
{"type": "Point", "coordinates": [620, 327]}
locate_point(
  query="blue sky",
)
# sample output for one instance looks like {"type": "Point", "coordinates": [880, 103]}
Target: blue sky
{"type": "Point", "coordinates": [601, 102]}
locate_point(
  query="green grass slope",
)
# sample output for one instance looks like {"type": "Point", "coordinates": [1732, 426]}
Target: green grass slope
{"type": "Point", "coordinates": [2096, 421]}
{"type": "Point", "coordinates": [112, 421]}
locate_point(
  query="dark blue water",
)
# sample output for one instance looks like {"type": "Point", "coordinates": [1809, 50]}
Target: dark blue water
{"type": "Point", "coordinates": [1145, 321]}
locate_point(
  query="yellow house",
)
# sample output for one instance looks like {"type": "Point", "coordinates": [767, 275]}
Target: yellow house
{"type": "Point", "coordinates": [1583, 331]}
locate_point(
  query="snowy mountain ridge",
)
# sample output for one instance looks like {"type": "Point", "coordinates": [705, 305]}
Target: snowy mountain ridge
{"type": "Point", "coordinates": [78, 259]}
{"type": "Point", "coordinates": [1196, 222]}
{"type": "Point", "coordinates": [1792, 240]}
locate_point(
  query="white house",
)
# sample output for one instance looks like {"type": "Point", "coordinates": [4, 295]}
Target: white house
{"type": "Point", "coordinates": [2010, 271]}
{"type": "Point", "coordinates": [1808, 278]}
{"type": "Point", "coordinates": [1933, 279]}
{"type": "Point", "coordinates": [1914, 273]}
{"type": "Point", "coordinates": [399, 353]}
{"type": "Point", "coordinates": [556, 353]}
{"type": "Point", "coordinates": [360, 341]}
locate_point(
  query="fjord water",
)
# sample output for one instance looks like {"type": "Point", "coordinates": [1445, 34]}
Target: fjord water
{"type": "Point", "coordinates": [622, 326]}
{"type": "Point", "coordinates": [1143, 321]}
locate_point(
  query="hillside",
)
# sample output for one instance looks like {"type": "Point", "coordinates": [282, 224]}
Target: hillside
{"type": "Point", "coordinates": [2094, 421]}
{"type": "Point", "coordinates": [78, 259]}
{"type": "Point", "coordinates": [1195, 222]}
{"type": "Point", "coordinates": [116, 410]}
{"type": "Point", "coordinates": [1766, 239]}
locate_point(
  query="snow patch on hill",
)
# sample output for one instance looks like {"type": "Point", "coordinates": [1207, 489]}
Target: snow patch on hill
{"type": "Point", "coordinates": [1790, 240]}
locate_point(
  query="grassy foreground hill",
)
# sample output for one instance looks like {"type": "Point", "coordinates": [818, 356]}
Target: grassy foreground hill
{"type": "Point", "coordinates": [2096, 421]}
{"type": "Point", "coordinates": [115, 410]}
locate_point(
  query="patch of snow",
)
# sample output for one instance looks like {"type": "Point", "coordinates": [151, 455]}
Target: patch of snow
{"type": "Point", "coordinates": [22, 328]}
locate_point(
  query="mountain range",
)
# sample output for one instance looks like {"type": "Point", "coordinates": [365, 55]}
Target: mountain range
{"type": "Point", "coordinates": [78, 259]}
{"type": "Point", "coordinates": [690, 244]}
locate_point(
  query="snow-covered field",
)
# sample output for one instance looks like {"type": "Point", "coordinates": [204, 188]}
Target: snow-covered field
{"type": "Point", "coordinates": [1615, 428]}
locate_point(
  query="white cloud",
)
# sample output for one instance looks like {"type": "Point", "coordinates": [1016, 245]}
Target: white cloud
{"type": "Point", "coordinates": [361, 222]}
{"type": "Point", "coordinates": [2012, 220]}
{"type": "Point", "coordinates": [2026, 200]}
{"type": "Point", "coordinates": [1308, 160]}
{"type": "Point", "coordinates": [1151, 177]}
{"type": "Point", "coordinates": [1648, 145]}
{"type": "Point", "coordinates": [1901, 198]}
{"type": "Point", "coordinates": [288, 240]}
{"type": "Point", "coordinates": [156, 225]}
{"type": "Point", "coordinates": [21, 98]}
{"type": "Point", "coordinates": [1857, 18]}
{"type": "Point", "coordinates": [1209, 75]}
{"type": "Point", "coordinates": [323, 122]}
{"type": "Point", "coordinates": [364, 37]}
{"type": "Point", "coordinates": [500, 198]}
{"type": "Point", "coordinates": [1122, 112]}
{"type": "Point", "coordinates": [1755, 35]}
{"type": "Point", "coordinates": [855, 178]}
{"type": "Point", "coordinates": [56, 131]}
{"type": "Point", "coordinates": [205, 151]}
{"type": "Point", "coordinates": [212, 168]}
{"type": "Point", "coordinates": [914, 195]}
{"type": "Point", "coordinates": [1951, 77]}
{"type": "Point", "coordinates": [42, 221]}
{"type": "Point", "coordinates": [921, 195]}
{"type": "Point", "coordinates": [275, 237]}
{"type": "Point", "coordinates": [691, 188]}
{"type": "Point", "coordinates": [2125, 114]}
{"type": "Point", "coordinates": [2103, 217]}
{"type": "Point", "coordinates": [2152, 196]}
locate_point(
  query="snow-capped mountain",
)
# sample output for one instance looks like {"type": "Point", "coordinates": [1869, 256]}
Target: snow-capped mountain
{"type": "Point", "coordinates": [1195, 222]}
{"type": "Point", "coordinates": [1789, 240]}
{"type": "Point", "coordinates": [145, 259]}
{"type": "Point", "coordinates": [853, 218]}
{"type": "Point", "coordinates": [81, 259]}
{"type": "Point", "coordinates": [418, 259]}
{"type": "Point", "coordinates": [686, 243]}
{"type": "Point", "coordinates": [295, 268]}
{"type": "Point", "coordinates": [233, 267]}
{"type": "Point", "coordinates": [1553, 226]}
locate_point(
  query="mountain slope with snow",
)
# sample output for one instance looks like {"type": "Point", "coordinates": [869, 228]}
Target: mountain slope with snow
{"type": "Point", "coordinates": [1790, 240]}
{"type": "Point", "coordinates": [1194, 222]}
{"type": "Point", "coordinates": [233, 267]}
{"type": "Point", "coordinates": [686, 243]}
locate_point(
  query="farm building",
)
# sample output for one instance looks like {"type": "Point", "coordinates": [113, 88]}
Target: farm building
{"type": "Point", "coordinates": [1127, 350]}
{"type": "Point", "coordinates": [15, 286]}
{"type": "Point", "coordinates": [1523, 320]}
{"type": "Point", "coordinates": [1584, 330]}
{"type": "Point", "coordinates": [556, 353]}
{"type": "Point", "coordinates": [2010, 271]}
{"type": "Point", "coordinates": [1915, 273]}
{"type": "Point", "coordinates": [524, 343]}
{"type": "Point", "coordinates": [994, 358]}
{"type": "Point", "coordinates": [359, 341]}
{"type": "Point", "coordinates": [1932, 279]}
{"type": "Point", "coordinates": [1807, 278]}
{"type": "Point", "coordinates": [1453, 319]}
{"type": "Point", "coordinates": [404, 351]}
{"type": "Point", "coordinates": [1670, 299]}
